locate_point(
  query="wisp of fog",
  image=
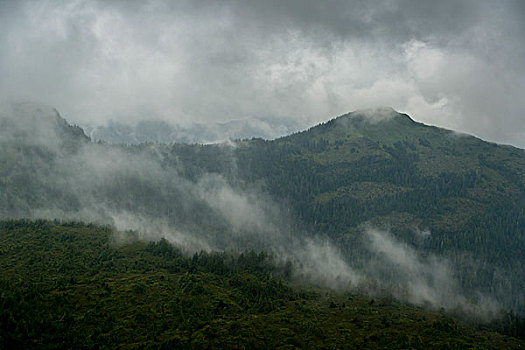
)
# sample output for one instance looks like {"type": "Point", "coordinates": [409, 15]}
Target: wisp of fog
{"type": "Point", "coordinates": [49, 169]}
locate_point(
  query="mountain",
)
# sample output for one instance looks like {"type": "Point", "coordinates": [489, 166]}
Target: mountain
{"type": "Point", "coordinates": [450, 194]}
{"type": "Point", "coordinates": [440, 192]}
{"type": "Point", "coordinates": [370, 201]}
{"type": "Point", "coordinates": [158, 131]}
{"type": "Point", "coordinates": [26, 123]}
{"type": "Point", "coordinates": [361, 169]}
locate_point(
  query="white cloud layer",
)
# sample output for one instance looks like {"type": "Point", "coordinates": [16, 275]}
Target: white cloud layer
{"type": "Point", "coordinates": [447, 63]}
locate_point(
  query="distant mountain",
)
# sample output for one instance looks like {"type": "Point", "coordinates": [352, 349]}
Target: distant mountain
{"type": "Point", "coordinates": [27, 122]}
{"type": "Point", "coordinates": [452, 205]}
{"type": "Point", "coordinates": [158, 131]}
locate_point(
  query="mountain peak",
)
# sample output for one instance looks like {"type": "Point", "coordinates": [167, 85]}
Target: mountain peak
{"type": "Point", "coordinates": [377, 115]}
{"type": "Point", "coordinates": [373, 118]}
{"type": "Point", "coordinates": [384, 110]}
{"type": "Point", "coordinates": [38, 123]}
{"type": "Point", "coordinates": [383, 124]}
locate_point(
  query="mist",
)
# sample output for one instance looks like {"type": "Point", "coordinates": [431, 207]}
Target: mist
{"type": "Point", "coordinates": [272, 65]}
{"type": "Point", "coordinates": [422, 280]}
{"type": "Point", "coordinates": [51, 170]}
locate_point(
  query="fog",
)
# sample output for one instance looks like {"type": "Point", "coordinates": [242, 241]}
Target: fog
{"type": "Point", "coordinates": [425, 281]}
{"type": "Point", "coordinates": [50, 170]}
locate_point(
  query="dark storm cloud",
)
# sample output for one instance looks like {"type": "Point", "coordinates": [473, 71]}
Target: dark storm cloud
{"type": "Point", "coordinates": [456, 64]}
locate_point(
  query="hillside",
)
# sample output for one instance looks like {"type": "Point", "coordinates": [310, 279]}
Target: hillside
{"type": "Point", "coordinates": [440, 192]}
{"type": "Point", "coordinates": [71, 285]}
{"type": "Point", "coordinates": [371, 200]}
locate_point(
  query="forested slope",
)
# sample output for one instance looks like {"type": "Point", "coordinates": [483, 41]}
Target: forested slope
{"type": "Point", "coordinates": [72, 285]}
{"type": "Point", "coordinates": [442, 193]}
{"type": "Point", "coordinates": [452, 203]}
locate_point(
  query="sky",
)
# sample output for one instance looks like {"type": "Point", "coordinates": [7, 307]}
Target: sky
{"type": "Point", "coordinates": [454, 64]}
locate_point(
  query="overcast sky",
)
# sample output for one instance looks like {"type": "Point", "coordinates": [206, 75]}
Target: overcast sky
{"type": "Point", "coordinates": [451, 63]}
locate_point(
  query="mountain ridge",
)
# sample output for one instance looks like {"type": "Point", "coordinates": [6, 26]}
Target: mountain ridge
{"type": "Point", "coordinates": [331, 181]}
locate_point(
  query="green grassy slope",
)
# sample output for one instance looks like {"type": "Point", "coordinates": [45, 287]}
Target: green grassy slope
{"type": "Point", "coordinates": [81, 286]}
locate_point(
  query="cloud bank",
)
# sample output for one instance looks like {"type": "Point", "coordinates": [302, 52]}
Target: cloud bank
{"type": "Point", "coordinates": [452, 64]}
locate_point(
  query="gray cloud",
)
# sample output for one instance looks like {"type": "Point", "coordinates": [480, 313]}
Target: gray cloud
{"type": "Point", "coordinates": [449, 63]}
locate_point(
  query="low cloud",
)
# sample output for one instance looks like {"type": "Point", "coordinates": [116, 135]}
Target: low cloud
{"type": "Point", "coordinates": [48, 171]}
{"type": "Point", "coordinates": [139, 189]}
{"type": "Point", "coordinates": [425, 280]}
{"type": "Point", "coordinates": [448, 63]}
